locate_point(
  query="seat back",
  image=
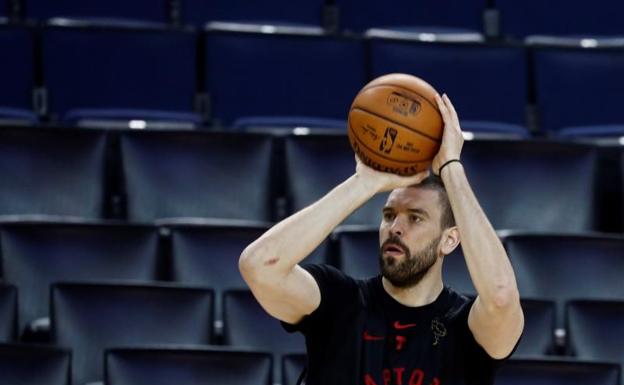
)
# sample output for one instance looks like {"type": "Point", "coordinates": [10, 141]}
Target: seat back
{"type": "Point", "coordinates": [292, 74]}
{"type": "Point", "coordinates": [170, 174]}
{"type": "Point", "coordinates": [37, 255]}
{"type": "Point", "coordinates": [89, 318]}
{"type": "Point", "coordinates": [43, 169]}
{"type": "Point", "coordinates": [34, 365]}
{"type": "Point", "coordinates": [8, 312]}
{"type": "Point", "coordinates": [198, 366]}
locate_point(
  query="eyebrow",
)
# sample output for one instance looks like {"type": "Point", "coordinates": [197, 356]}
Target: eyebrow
{"type": "Point", "coordinates": [414, 211]}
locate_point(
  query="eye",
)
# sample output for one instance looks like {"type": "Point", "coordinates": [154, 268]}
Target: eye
{"type": "Point", "coordinates": [414, 218]}
{"type": "Point", "coordinates": [388, 216]}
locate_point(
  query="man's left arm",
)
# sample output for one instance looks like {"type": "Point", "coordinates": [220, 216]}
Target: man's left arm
{"type": "Point", "coordinates": [496, 319]}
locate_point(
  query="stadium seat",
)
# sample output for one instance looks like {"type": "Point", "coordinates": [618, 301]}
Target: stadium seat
{"type": "Point", "coordinates": [52, 172]}
{"type": "Point", "coordinates": [89, 318]}
{"type": "Point", "coordinates": [208, 255]}
{"type": "Point", "coordinates": [292, 367]}
{"type": "Point", "coordinates": [315, 164]}
{"type": "Point", "coordinates": [578, 90]}
{"type": "Point", "coordinates": [37, 255]}
{"type": "Point", "coordinates": [557, 372]}
{"type": "Point", "coordinates": [199, 12]}
{"type": "Point", "coordinates": [133, 72]}
{"type": "Point", "coordinates": [17, 71]}
{"type": "Point", "coordinates": [532, 185]}
{"type": "Point", "coordinates": [460, 69]}
{"type": "Point", "coordinates": [146, 10]}
{"type": "Point", "coordinates": [459, 14]}
{"type": "Point", "coordinates": [8, 312]}
{"type": "Point", "coordinates": [550, 266]}
{"type": "Point", "coordinates": [171, 174]}
{"type": "Point", "coordinates": [246, 324]}
{"type": "Point", "coordinates": [294, 74]}
{"type": "Point", "coordinates": [539, 327]}
{"type": "Point", "coordinates": [198, 366]}
{"type": "Point", "coordinates": [560, 17]}
{"type": "Point", "coordinates": [34, 365]}
{"type": "Point", "coordinates": [596, 329]}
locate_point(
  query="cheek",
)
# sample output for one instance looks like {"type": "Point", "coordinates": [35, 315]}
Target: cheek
{"type": "Point", "coordinates": [383, 232]}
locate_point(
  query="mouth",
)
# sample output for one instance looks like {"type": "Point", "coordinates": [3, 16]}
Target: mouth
{"type": "Point", "coordinates": [393, 250]}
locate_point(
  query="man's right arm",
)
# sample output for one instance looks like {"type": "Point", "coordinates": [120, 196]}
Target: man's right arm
{"type": "Point", "coordinates": [270, 264]}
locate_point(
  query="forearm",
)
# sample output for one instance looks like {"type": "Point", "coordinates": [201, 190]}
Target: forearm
{"type": "Point", "coordinates": [486, 259]}
{"type": "Point", "coordinates": [290, 241]}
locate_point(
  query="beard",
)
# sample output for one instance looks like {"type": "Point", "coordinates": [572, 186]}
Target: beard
{"type": "Point", "coordinates": [413, 268]}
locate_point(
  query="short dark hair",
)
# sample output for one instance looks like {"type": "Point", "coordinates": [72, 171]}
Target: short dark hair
{"type": "Point", "coordinates": [434, 182]}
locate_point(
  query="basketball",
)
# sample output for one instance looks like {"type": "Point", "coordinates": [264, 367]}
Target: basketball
{"type": "Point", "coordinates": [395, 125]}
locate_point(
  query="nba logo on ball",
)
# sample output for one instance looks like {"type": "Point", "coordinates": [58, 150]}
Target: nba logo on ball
{"type": "Point", "coordinates": [394, 124]}
{"type": "Point", "coordinates": [388, 140]}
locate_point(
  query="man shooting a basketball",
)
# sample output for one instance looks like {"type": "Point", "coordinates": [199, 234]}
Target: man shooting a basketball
{"type": "Point", "coordinates": [403, 327]}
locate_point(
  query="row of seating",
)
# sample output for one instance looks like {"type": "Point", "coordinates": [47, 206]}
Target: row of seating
{"type": "Point", "coordinates": [36, 255]}
{"type": "Point", "coordinates": [158, 365]}
{"type": "Point", "coordinates": [90, 318]}
{"type": "Point", "coordinates": [241, 78]}
{"type": "Point", "coordinates": [513, 18]}
{"type": "Point", "coordinates": [143, 176]}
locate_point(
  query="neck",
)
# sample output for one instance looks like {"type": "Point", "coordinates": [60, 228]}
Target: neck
{"type": "Point", "coordinates": [423, 293]}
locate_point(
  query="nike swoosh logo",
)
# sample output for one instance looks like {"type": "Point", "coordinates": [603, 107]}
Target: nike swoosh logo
{"type": "Point", "coordinates": [368, 337]}
{"type": "Point", "coordinates": [398, 326]}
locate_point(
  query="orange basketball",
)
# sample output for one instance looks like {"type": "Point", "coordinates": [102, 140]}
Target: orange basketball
{"type": "Point", "coordinates": [395, 125]}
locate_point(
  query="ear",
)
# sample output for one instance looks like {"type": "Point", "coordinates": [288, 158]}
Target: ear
{"type": "Point", "coordinates": [450, 240]}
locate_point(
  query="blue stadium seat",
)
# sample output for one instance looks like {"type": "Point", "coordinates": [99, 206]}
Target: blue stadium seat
{"type": "Point", "coordinates": [199, 12]}
{"type": "Point", "coordinates": [17, 71]}
{"type": "Point", "coordinates": [578, 91]}
{"type": "Point", "coordinates": [89, 318]}
{"type": "Point", "coordinates": [487, 83]}
{"type": "Point", "coordinates": [246, 324]}
{"type": "Point", "coordinates": [292, 367]}
{"type": "Point", "coordinates": [208, 255]}
{"type": "Point", "coordinates": [539, 327]}
{"type": "Point", "coordinates": [294, 74]}
{"type": "Point", "coordinates": [147, 10]}
{"type": "Point", "coordinates": [531, 185]}
{"type": "Point", "coordinates": [37, 255]}
{"type": "Point", "coordinates": [34, 365]}
{"type": "Point", "coordinates": [596, 329]}
{"type": "Point", "coordinates": [550, 266]}
{"type": "Point", "coordinates": [557, 372]}
{"type": "Point", "coordinates": [8, 313]}
{"type": "Point", "coordinates": [52, 172]}
{"type": "Point", "coordinates": [315, 164]}
{"type": "Point", "coordinates": [560, 17]}
{"type": "Point", "coordinates": [198, 366]}
{"type": "Point", "coordinates": [134, 71]}
{"type": "Point", "coordinates": [172, 174]}
{"type": "Point", "coordinates": [460, 14]}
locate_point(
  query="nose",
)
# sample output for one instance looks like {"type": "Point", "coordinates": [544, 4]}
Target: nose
{"type": "Point", "coordinates": [396, 228]}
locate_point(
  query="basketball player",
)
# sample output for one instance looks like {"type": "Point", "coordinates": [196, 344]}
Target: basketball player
{"type": "Point", "coordinates": [403, 327]}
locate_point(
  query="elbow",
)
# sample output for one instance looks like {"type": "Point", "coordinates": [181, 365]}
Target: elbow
{"type": "Point", "coordinates": [255, 260]}
{"type": "Point", "coordinates": [505, 298]}
{"type": "Point", "coordinates": [248, 263]}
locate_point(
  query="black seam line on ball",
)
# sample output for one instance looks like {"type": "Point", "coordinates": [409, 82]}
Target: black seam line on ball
{"type": "Point", "coordinates": [398, 124]}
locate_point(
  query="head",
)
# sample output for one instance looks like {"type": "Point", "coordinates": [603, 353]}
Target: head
{"type": "Point", "coordinates": [417, 230]}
